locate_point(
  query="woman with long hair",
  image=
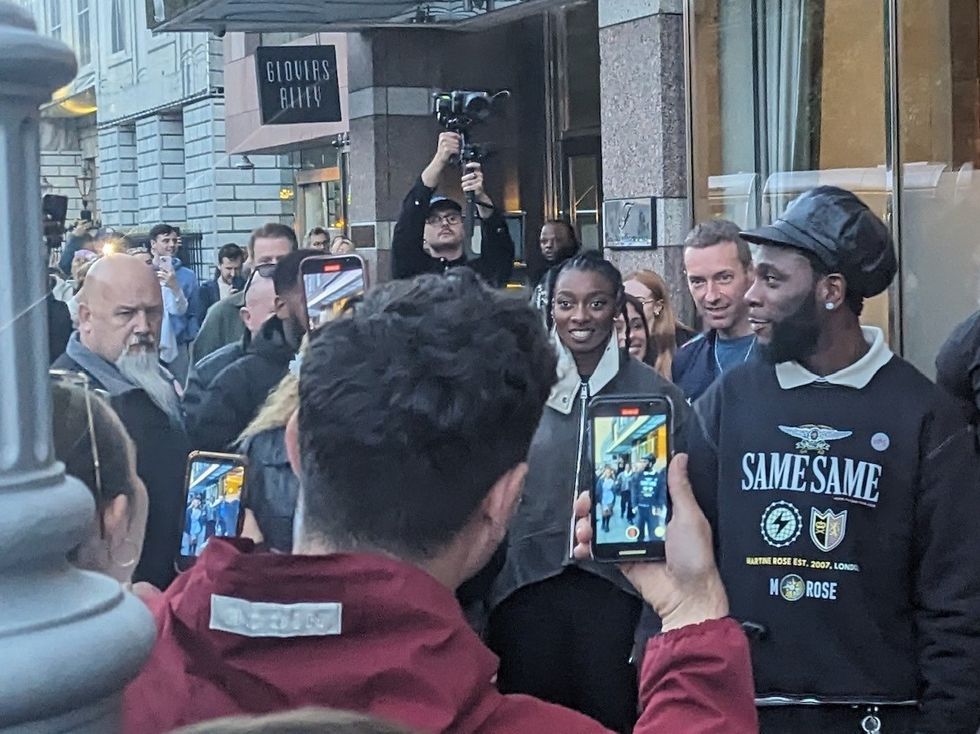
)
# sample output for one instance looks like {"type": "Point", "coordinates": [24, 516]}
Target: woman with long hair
{"type": "Point", "coordinates": [666, 332]}
{"type": "Point", "coordinates": [551, 619]}
{"type": "Point", "coordinates": [633, 331]}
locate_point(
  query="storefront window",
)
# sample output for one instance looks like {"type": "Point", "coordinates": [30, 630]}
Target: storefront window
{"type": "Point", "coordinates": [939, 135]}
{"type": "Point", "coordinates": [788, 95]}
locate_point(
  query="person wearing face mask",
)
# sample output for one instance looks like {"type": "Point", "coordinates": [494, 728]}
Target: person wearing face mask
{"type": "Point", "coordinates": [429, 234]}
{"type": "Point", "coordinates": [236, 393]}
{"type": "Point", "coordinates": [843, 486]}
{"type": "Point", "coordinates": [545, 609]}
{"type": "Point", "coordinates": [117, 347]}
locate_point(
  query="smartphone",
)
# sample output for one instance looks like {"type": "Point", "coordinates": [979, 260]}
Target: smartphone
{"type": "Point", "coordinates": [630, 441]}
{"type": "Point", "coordinates": [330, 282]}
{"type": "Point", "coordinates": [214, 490]}
{"type": "Point", "coordinates": [165, 262]}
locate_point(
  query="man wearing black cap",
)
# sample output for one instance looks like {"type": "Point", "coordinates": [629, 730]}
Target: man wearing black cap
{"type": "Point", "coordinates": [843, 487]}
{"type": "Point", "coordinates": [429, 234]}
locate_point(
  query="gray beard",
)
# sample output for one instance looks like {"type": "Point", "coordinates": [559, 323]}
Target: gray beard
{"type": "Point", "coordinates": [143, 370]}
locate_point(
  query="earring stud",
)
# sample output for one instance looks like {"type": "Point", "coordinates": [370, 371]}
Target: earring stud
{"type": "Point", "coordinates": [829, 306]}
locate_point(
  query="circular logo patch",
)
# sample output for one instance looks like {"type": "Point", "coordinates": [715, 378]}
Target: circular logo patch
{"type": "Point", "coordinates": [880, 441]}
{"type": "Point", "coordinates": [791, 587]}
{"type": "Point", "coordinates": [781, 524]}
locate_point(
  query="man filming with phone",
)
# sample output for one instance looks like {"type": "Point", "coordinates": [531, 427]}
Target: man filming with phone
{"type": "Point", "coordinates": [429, 235]}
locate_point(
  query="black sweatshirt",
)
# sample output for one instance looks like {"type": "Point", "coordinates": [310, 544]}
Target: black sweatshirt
{"type": "Point", "coordinates": [846, 523]}
{"type": "Point", "coordinates": [408, 259]}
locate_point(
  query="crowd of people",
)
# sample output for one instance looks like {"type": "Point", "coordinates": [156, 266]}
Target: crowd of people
{"type": "Point", "coordinates": [419, 483]}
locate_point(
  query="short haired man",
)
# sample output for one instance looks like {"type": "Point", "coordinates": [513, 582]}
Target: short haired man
{"type": "Point", "coordinates": [260, 304]}
{"type": "Point", "coordinates": [120, 313]}
{"type": "Point", "coordinates": [164, 241]}
{"type": "Point", "coordinates": [237, 392]}
{"type": "Point", "coordinates": [415, 419]}
{"type": "Point", "coordinates": [223, 325]}
{"type": "Point", "coordinates": [429, 233]}
{"type": "Point", "coordinates": [317, 239]}
{"type": "Point", "coordinates": [719, 273]}
{"type": "Point", "coordinates": [227, 277]}
{"type": "Point", "coordinates": [559, 242]}
{"type": "Point", "coordinates": [842, 485]}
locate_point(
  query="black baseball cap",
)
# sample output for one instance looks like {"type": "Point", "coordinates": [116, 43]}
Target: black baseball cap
{"type": "Point", "coordinates": [843, 234]}
{"type": "Point", "coordinates": [442, 203]}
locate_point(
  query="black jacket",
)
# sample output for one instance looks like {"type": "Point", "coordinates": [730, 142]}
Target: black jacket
{"type": "Point", "coordinates": [958, 363]}
{"type": "Point", "coordinates": [210, 294]}
{"type": "Point", "coordinates": [408, 259]}
{"type": "Point", "coordinates": [272, 487]}
{"type": "Point", "coordinates": [161, 459]}
{"type": "Point", "coordinates": [844, 517]}
{"type": "Point", "coordinates": [238, 391]}
{"type": "Point", "coordinates": [59, 327]}
{"type": "Point", "coordinates": [202, 374]}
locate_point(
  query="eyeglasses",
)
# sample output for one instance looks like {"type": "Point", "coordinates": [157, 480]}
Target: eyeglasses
{"type": "Point", "coordinates": [447, 218]}
{"type": "Point", "coordinates": [80, 381]}
{"type": "Point", "coordinates": [265, 270]}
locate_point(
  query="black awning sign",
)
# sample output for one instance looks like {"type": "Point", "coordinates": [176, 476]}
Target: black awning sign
{"type": "Point", "coordinates": [298, 84]}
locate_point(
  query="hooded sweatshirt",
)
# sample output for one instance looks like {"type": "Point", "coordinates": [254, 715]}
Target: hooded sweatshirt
{"type": "Point", "coordinates": [245, 632]}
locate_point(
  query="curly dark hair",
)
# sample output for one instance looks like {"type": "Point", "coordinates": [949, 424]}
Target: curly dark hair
{"type": "Point", "coordinates": [412, 408]}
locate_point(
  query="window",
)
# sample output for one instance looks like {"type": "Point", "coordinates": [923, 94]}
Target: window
{"type": "Point", "coordinates": [118, 27]}
{"type": "Point", "coordinates": [84, 34]}
{"type": "Point", "coordinates": [54, 18]}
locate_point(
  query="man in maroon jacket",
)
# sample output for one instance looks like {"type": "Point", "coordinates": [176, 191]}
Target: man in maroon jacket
{"type": "Point", "coordinates": [414, 424]}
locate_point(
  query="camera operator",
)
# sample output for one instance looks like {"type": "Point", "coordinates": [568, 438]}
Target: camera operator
{"type": "Point", "coordinates": [429, 235]}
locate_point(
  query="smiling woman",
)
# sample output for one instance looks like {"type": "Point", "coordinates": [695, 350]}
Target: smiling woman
{"type": "Point", "coordinates": [543, 621]}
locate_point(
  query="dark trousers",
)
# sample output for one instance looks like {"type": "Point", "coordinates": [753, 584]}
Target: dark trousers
{"type": "Point", "coordinates": [842, 719]}
{"type": "Point", "coordinates": [567, 640]}
{"type": "Point", "coordinates": [645, 520]}
{"type": "Point", "coordinates": [625, 504]}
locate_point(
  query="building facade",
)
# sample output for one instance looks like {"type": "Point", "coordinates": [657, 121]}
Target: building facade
{"type": "Point", "coordinates": [141, 131]}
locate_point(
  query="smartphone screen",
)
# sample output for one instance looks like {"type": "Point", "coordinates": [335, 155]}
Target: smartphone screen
{"type": "Point", "coordinates": [330, 282]}
{"type": "Point", "coordinates": [631, 447]}
{"type": "Point", "coordinates": [213, 496]}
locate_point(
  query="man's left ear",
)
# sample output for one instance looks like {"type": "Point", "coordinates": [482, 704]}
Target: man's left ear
{"type": "Point", "coordinates": [833, 292]}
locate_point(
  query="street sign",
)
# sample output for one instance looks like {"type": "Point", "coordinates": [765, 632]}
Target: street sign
{"type": "Point", "coordinates": [298, 84]}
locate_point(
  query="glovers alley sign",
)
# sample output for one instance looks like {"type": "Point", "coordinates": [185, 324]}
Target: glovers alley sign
{"type": "Point", "coordinates": [298, 84]}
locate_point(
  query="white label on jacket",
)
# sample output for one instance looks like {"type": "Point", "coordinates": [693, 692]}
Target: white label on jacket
{"type": "Point", "coordinates": [271, 619]}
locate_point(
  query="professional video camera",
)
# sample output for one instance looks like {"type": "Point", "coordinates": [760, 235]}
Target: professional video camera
{"type": "Point", "coordinates": [458, 111]}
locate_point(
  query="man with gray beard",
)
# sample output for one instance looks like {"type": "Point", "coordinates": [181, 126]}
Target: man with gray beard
{"type": "Point", "coordinates": [117, 345]}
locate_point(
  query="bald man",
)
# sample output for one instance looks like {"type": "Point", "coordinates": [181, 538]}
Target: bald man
{"type": "Point", "coordinates": [260, 303]}
{"type": "Point", "coordinates": [117, 345]}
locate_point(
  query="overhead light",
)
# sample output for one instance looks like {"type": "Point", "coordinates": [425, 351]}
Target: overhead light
{"type": "Point", "coordinates": [286, 194]}
{"type": "Point", "coordinates": [244, 164]}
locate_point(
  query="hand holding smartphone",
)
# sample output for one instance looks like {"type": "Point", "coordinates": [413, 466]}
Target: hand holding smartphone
{"type": "Point", "coordinates": [213, 493]}
{"type": "Point", "coordinates": [330, 282]}
{"type": "Point", "coordinates": [165, 262]}
{"type": "Point", "coordinates": [631, 445]}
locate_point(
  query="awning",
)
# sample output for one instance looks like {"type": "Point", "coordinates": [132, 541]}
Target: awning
{"type": "Point", "coordinates": [640, 427]}
{"type": "Point", "coordinates": [258, 16]}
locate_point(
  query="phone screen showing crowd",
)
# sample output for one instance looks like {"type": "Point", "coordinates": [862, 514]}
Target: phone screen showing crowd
{"type": "Point", "coordinates": [213, 503]}
{"type": "Point", "coordinates": [630, 482]}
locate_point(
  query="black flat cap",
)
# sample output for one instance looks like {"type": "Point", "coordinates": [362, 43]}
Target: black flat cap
{"type": "Point", "coordinates": [841, 232]}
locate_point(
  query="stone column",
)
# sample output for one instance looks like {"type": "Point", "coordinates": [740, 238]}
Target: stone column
{"type": "Point", "coordinates": [160, 169]}
{"type": "Point", "coordinates": [69, 640]}
{"type": "Point", "coordinates": [117, 180]}
{"type": "Point", "coordinates": [641, 47]}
